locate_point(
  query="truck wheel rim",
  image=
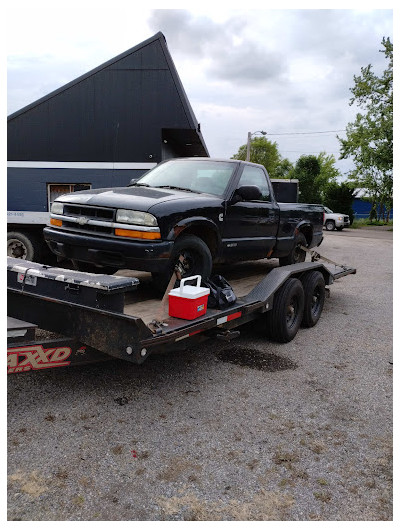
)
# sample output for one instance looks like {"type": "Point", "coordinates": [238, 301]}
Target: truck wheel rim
{"type": "Point", "coordinates": [16, 249]}
{"type": "Point", "coordinates": [299, 254]}
{"type": "Point", "coordinates": [191, 260]}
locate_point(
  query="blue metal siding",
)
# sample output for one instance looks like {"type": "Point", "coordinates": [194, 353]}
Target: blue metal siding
{"type": "Point", "coordinates": [27, 187]}
{"type": "Point", "coordinates": [362, 208]}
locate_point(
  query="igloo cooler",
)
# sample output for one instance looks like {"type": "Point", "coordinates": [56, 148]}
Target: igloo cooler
{"type": "Point", "coordinates": [188, 302]}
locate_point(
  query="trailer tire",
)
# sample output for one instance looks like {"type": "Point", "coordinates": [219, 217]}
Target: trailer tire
{"type": "Point", "coordinates": [284, 319]}
{"type": "Point", "coordinates": [23, 245]}
{"type": "Point", "coordinates": [330, 225]}
{"type": "Point", "coordinates": [296, 255]}
{"type": "Point", "coordinates": [314, 297]}
{"type": "Point", "coordinates": [197, 254]}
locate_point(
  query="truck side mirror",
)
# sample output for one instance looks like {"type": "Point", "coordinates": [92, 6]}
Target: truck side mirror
{"type": "Point", "coordinates": [248, 192]}
{"type": "Point", "coordinates": [134, 180]}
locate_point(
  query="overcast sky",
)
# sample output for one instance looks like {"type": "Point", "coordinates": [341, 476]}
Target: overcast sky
{"type": "Point", "coordinates": [281, 71]}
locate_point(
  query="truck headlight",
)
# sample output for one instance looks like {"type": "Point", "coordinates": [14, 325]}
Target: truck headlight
{"type": "Point", "coordinates": [57, 208]}
{"type": "Point", "coordinates": [340, 218]}
{"type": "Point", "coordinates": [134, 217]}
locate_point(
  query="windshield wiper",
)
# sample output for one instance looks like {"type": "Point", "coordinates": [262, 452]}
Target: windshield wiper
{"type": "Point", "coordinates": [177, 188]}
{"type": "Point", "coordinates": [141, 184]}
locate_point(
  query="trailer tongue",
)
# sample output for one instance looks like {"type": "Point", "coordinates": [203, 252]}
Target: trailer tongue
{"type": "Point", "coordinates": [89, 319]}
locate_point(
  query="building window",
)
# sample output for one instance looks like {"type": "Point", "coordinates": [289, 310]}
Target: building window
{"type": "Point", "coordinates": [55, 190]}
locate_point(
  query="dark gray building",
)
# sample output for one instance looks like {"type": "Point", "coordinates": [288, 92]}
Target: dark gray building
{"type": "Point", "coordinates": [100, 130]}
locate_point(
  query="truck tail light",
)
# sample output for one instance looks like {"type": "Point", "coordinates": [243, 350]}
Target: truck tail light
{"type": "Point", "coordinates": [143, 235]}
{"type": "Point", "coordinates": [56, 222]}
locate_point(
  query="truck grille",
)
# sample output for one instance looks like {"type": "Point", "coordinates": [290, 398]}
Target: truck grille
{"type": "Point", "coordinates": [346, 219]}
{"type": "Point", "coordinates": [80, 213]}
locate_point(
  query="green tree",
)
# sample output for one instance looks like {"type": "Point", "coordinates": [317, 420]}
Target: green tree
{"type": "Point", "coordinates": [339, 198]}
{"type": "Point", "coordinates": [370, 137]}
{"type": "Point", "coordinates": [306, 170]}
{"type": "Point", "coordinates": [262, 151]}
{"type": "Point", "coordinates": [328, 172]}
{"type": "Point", "coordinates": [315, 174]}
{"type": "Point", "coordinates": [284, 169]}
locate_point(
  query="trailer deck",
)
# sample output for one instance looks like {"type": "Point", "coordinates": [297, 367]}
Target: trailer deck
{"type": "Point", "coordinates": [103, 316]}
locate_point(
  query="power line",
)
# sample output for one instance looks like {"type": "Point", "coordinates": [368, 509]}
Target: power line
{"type": "Point", "coordinates": [309, 133]}
{"type": "Point", "coordinates": [305, 151]}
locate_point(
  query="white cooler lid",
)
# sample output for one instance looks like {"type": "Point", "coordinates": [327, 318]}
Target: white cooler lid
{"type": "Point", "coordinates": [189, 292]}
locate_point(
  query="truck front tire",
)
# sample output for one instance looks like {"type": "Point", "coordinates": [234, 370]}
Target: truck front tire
{"type": "Point", "coordinates": [197, 256]}
{"type": "Point", "coordinates": [23, 245]}
{"type": "Point", "coordinates": [330, 225]}
{"type": "Point", "coordinates": [284, 319]}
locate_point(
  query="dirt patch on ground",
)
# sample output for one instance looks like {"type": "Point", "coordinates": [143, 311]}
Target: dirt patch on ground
{"type": "Point", "coordinates": [265, 505]}
{"type": "Point", "coordinates": [32, 483]}
{"type": "Point", "coordinates": [256, 359]}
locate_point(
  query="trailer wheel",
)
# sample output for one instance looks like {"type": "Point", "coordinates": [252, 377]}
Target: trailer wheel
{"type": "Point", "coordinates": [314, 297]}
{"type": "Point", "coordinates": [330, 225]}
{"type": "Point", "coordinates": [297, 254]}
{"type": "Point", "coordinates": [197, 257]}
{"type": "Point", "coordinates": [23, 245]}
{"type": "Point", "coordinates": [284, 320]}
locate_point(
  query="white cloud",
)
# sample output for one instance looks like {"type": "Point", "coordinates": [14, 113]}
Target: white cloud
{"type": "Point", "coordinates": [243, 70]}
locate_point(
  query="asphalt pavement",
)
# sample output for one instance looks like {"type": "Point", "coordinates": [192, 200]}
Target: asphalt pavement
{"type": "Point", "coordinates": [243, 431]}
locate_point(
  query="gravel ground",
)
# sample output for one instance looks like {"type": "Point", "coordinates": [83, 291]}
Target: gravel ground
{"type": "Point", "coordinates": [248, 430]}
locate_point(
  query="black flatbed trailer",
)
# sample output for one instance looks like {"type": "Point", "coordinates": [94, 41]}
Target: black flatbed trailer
{"type": "Point", "coordinates": [87, 319]}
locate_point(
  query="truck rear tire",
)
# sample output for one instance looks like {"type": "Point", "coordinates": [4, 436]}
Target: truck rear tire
{"type": "Point", "coordinates": [284, 319]}
{"type": "Point", "coordinates": [197, 255]}
{"type": "Point", "coordinates": [23, 245]}
{"type": "Point", "coordinates": [296, 255]}
{"type": "Point", "coordinates": [314, 297]}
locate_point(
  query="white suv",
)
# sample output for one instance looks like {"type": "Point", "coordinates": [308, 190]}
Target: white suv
{"type": "Point", "coordinates": [334, 221]}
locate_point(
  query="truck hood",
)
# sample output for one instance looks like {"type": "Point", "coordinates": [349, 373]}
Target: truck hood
{"type": "Point", "coordinates": [133, 197]}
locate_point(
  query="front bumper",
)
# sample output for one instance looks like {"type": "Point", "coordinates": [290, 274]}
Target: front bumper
{"type": "Point", "coordinates": [109, 251]}
{"type": "Point", "coordinates": [342, 224]}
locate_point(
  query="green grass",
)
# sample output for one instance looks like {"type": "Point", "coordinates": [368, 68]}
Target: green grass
{"type": "Point", "coordinates": [360, 223]}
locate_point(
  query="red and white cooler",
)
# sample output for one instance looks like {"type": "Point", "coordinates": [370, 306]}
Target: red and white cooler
{"type": "Point", "coordinates": [188, 302]}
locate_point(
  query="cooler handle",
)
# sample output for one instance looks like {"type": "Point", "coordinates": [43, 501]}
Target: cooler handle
{"type": "Point", "coordinates": [198, 277]}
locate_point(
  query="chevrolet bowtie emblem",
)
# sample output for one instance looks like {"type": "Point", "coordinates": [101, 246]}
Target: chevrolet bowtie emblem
{"type": "Point", "coordinates": [82, 220]}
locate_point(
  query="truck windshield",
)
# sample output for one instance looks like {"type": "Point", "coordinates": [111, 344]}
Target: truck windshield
{"type": "Point", "coordinates": [210, 177]}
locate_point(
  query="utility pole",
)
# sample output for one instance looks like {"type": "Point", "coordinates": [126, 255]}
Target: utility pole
{"type": "Point", "coordinates": [249, 135]}
{"type": "Point", "coordinates": [248, 146]}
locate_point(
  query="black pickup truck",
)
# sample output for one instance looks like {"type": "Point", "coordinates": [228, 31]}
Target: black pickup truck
{"type": "Point", "coordinates": [206, 210]}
